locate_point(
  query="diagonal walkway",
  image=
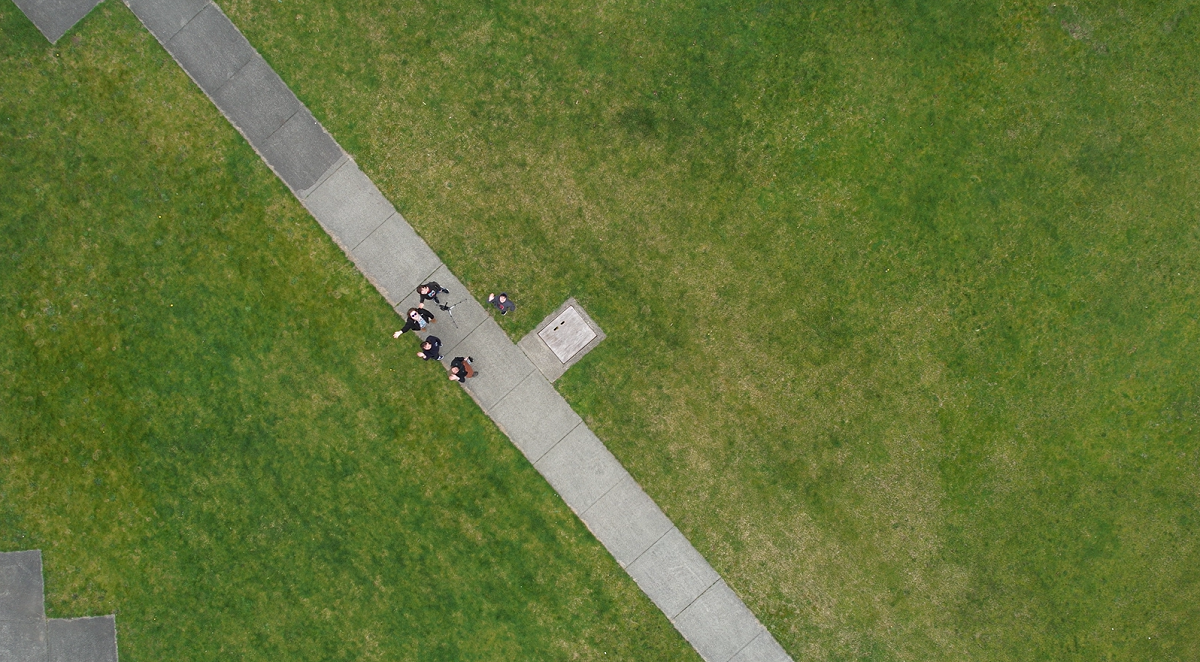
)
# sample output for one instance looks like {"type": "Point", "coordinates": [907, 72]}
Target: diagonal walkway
{"type": "Point", "coordinates": [508, 387]}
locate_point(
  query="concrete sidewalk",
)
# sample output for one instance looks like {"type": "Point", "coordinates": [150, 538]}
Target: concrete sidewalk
{"type": "Point", "coordinates": [508, 387]}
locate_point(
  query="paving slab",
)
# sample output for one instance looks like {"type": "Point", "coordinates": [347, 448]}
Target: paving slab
{"type": "Point", "coordinates": [300, 152]}
{"type": "Point", "coordinates": [54, 17]}
{"type": "Point", "coordinates": [395, 259]}
{"type": "Point", "coordinates": [672, 573]}
{"type": "Point", "coordinates": [567, 334]}
{"type": "Point", "coordinates": [764, 648]}
{"type": "Point", "coordinates": [544, 357]}
{"type": "Point", "coordinates": [581, 469]}
{"type": "Point", "coordinates": [534, 416]}
{"type": "Point", "coordinates": [82, 639]}
{"type": "Point", "coordinates": [165, 18]}
{"type": "Point", "coordinates": [349, 206]}
{"type": "Point", "coordinates": [718, 624]}
{"type": "Point", "coordinates": [23, 641]}
{"type": "Point", "coordinates": [21, 591]}
{"type": "Point", "coordinates": [499, 365]}
{"type": "Point", "coordinates": [257, 101]}
{"type": "Point", "coordinates": [627, 521]}
{"type": "Point", "coordinates": [210, 49]}
{"type": "Point", "coordinates": [452, 326]}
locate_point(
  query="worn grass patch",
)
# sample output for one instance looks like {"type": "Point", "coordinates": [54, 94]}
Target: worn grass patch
{"type": "Point", "coordinates": [205, 424]}
{"type": "Point", "coordinates": [901, 297]}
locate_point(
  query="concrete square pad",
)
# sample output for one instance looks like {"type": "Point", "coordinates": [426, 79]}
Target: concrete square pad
{"type": "Point", "coordinates": [54, 17]}
{"type": "Point", "coordinates": [627, 521]}
{"type": "Point", "coordinates": [300, 152]}
{"type": "Point", "coordinates": [21, 589]}
{"type": "Point", "coordinates": [499, 365]}
{"type": "Point", "coordinates": [673, 573]}
{"type": "Point", "coordinates": [764, 648]}
{"type": "Point", "coordinates": [349, 206]}
{"type": "Point", "coordinates": [717, 624]}
{"type": "Point", "coordinates": [395, 259]}
{"type": "Point", "coordinates": [581, 469]}
{"type": "Point", "coordinates": [562, 338]}
{"type": "Point", "coordinates": [452, 326]}
{"type": "Point", "coordinates": [165, 18]}
{"type": "Point", "coordinates": [257, 101]}
{"type": "Point", "coordinates": [22, 641]}
{"type": "Point", "coordinates": [534, 416]}
{"type": "Point", "coordinates": [210, 49]}
{"type": "Point", "coordinates": [82, 639]}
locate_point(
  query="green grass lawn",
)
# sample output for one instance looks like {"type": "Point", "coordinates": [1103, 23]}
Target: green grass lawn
{"type": "Point", "coordinates": [206, 426]}
{"type": "Point", "coordinates": [901, 298]}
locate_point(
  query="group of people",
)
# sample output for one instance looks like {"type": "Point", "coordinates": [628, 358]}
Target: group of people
{"type": "Point", "coordinates": [418, 319]}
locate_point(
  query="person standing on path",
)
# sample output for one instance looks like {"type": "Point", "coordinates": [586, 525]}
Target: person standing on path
{"type": "Point", "coordinates": [502, 303]}
{"type": "Point", "coordinates": [418, 319]}
{"type": "Point", "coordinates": [430, 291]}
{"type": "Point", "coordinates": [431, 348]}
{"type": "Point", "coordinates": [461, 369]}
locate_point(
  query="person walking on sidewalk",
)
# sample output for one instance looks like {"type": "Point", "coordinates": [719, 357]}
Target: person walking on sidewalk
{"type": "Point", "coordinates": [502, 303]}
{"type": "Point", "coordinates": [461, 369]}
{"type": "Point", "coordinates": [430, 291]}
{"type": "Point", "coordinates": [418, 319]}
{"type": "Point", "coordinates": [431, 349]}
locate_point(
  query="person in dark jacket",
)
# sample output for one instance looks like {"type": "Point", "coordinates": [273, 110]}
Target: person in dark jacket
{"type": "Point", "coordinates": [430, 291]}
{"type": "Point", "coordinates": [417, 319]}
{"type": "Point", "coordinates": [461, 369]}
{"type": "Point", "coordinates": [502, 303]}
{"type": "Point", "coordinates": [431, 348]}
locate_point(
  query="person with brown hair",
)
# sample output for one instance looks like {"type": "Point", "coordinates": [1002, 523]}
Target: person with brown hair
{"type": "Point", "coordinates": [417, 320]}
{"type": "Point", "coordinates": [461, 369]}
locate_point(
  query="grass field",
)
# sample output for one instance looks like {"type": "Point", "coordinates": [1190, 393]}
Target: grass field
{"type": "Point", "coordinates": [901, 297]}
{"type": "Point", "coordinates": [205, 425]}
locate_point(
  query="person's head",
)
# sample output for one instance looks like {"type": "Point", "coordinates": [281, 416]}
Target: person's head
{"type": "Point", "coordinates": [413, 314]}
{"type": "Point", "coordinates": [426, 345]}
{"type": "Point", "coordinates": [424, 289]}
{"type": "Point", "coordinates": [503, 297]}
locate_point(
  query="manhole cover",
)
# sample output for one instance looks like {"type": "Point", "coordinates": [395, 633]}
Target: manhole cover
{"type": "Point", "coordinates": [567, 334]}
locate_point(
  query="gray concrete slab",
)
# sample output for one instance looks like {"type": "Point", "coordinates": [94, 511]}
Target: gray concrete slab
{"type": "Point", "coordinates": [256, 101]}
{"type": "Point", "coordinates": [165, 18]}
{"type": "Point", "coordinates": [534, 416]}
{"type": "Point", "coordinates": [23, 641]}
{"type": "Point", "coordinates": [543, 356]}
{"type": "Point", "coordinates": [21, 591]}
{"type": "Point", "coordinates": [581, 469]}
{"type": "Point", "coordinates": [718, 624]}
{"type": "Point", "coordinates": [499, 365]}
{"type": "Point", "coordinates": [210, 49]}
{"type": "Point", "coordinates": [349, 206]}
{"type": "Point", "coordinates": [300, 152]}
{"type": "Point", "coordinates": [395, 259]}
{"type": "Point", "coordinates": [454, 325]}
{"type": "Point", "coordinates": [54, 17]}
{"type": "Point", "coordinates": [764, 648]}
{"type": "Point", "coordinates": [567, 334]}
{"type": "Point", "coordinates": [82, 639]}
{"type": "Point", "coordinates": [627, 521]}
{"type": "Point", "coordinates": [672, 573]}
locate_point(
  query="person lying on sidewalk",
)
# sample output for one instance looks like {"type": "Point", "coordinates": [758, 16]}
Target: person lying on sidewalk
{"type": "Point", "coordinates": [461, 369]}
{"type": "Point", "coordinates": [502, 303]}
{"type": "Point", "coordinates": [418, 319]}
{"type": "Point", "coordinates": [431, 348]}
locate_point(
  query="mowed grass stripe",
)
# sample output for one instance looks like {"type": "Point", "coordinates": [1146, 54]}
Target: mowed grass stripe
{"type": "Point", "coordinates": [205, 424]}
